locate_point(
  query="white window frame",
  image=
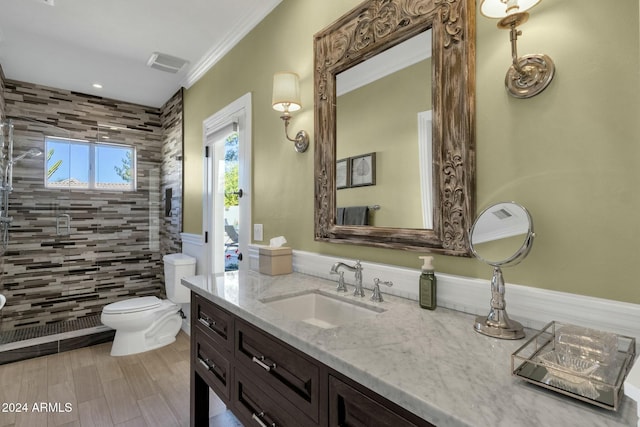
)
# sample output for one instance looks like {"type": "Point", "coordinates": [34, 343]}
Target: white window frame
{"type": "Point", "coordinates": [91, 185]}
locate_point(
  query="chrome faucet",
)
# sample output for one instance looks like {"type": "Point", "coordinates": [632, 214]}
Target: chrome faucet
{"type": "Point", "coordinates": [357, 268]}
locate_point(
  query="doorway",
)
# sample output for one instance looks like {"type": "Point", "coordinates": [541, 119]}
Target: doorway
{"type": "Point", "coordinates": [227, 204]}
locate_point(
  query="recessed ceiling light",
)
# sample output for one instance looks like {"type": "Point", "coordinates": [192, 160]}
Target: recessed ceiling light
{"type": "Point", "coordinates": [97, 85]}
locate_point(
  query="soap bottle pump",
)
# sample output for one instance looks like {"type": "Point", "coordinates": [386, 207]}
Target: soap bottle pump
{"type": "Point", "coordinates": [427, 284]}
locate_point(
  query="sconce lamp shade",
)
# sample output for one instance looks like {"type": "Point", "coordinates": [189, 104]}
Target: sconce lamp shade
{"type": "Point", "coordinates": [502, 8]}
{"type": "Point", "coordinates": [286, 92]}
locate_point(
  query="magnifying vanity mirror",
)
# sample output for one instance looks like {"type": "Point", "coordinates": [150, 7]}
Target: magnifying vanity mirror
{"type": "Point", "coordinates": [398, 140]}
{"type": "Point", "coordinates": [501, 236]}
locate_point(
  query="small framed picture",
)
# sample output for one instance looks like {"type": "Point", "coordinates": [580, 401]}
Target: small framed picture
{"type": "Point", "coordinates": [363, 170]}
{"type": "Point", "coordinates": [342, 174]}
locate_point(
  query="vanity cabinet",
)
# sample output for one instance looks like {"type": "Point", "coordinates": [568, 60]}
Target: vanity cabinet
{"type": "Point", "coordinates": [256, 403]}
{"type": "Point", "coordinates": [267, 382]}
{"type": "Point", "coordinates": [354, 406]}
{"type": "Point", "coordinates": [212, 345]}
{"type": "Point", "coordinates": [290, 373]}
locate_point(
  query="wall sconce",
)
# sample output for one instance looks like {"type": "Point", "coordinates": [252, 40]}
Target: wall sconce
{"type": "Point", "coordinates": [286, 98]}
{"type": "Point", "coordinates": [530, 74]}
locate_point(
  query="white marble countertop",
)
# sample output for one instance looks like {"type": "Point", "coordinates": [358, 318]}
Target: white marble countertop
{"type": "Point", "coordinates": [430, 362]}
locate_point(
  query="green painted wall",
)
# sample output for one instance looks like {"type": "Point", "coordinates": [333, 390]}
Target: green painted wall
{"type": "Point", "coordinates": [571, 155]}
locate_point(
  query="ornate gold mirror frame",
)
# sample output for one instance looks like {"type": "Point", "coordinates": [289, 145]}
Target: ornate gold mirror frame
{"type": "Point", "coordinates": [365, 31]}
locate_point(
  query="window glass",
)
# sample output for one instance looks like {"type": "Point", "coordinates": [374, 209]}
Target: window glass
{"type": "Point", "coordinates": [114, 167]}
{"type": "Point", "coordinates": [87, 165]}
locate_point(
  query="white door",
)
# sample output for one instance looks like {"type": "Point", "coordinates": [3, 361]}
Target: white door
{"type": "Point", "coordinates": [227, 201]}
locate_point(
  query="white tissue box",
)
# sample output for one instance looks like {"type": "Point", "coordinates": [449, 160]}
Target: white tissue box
{"type": "Point", "coordinates": [275, 261]}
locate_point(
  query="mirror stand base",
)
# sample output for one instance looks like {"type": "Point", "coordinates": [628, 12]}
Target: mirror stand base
{"type": "Point", "coordinates": [506, 329]}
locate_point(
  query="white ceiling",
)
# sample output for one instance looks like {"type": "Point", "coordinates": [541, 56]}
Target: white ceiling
{"type": "Point", "coordinates": [76, 43]}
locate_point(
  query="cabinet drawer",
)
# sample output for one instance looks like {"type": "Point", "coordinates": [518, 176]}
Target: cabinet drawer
{"type": "Point", "coordinates": [215, 322]}
{"type": "Point", "coordinates": [293, 375]}
{"type": "Point", "coordinates": [255, 404]}
{"type": "Point", "coordinates": [213, 366]}
{"type": "Point", "coordinates": [351, 407]}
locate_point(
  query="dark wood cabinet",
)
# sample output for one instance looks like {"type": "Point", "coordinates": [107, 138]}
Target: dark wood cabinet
{"type": "Point", "coordinates": [215, 322]}
{"type": "Point", "coordinates": [213, 366]}
{"type": "Point", "coordinates": [265, 381]}
{"type": "Point", "coordinates": [254, 402]}
{"type": "Point", "coordinates": [354, 406]}
{"type": "Point", "coordinates": [292, 374]}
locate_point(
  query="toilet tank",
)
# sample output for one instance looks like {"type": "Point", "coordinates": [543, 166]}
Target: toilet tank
{"type": "Point", "coordinates": [177, 266]}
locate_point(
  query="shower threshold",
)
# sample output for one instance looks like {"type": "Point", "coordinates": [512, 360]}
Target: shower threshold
{"type": "Point", "coordinates": [27, 343]}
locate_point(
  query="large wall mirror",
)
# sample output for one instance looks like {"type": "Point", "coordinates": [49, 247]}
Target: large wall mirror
{"type": "Point", "coordinates": [395, 126]}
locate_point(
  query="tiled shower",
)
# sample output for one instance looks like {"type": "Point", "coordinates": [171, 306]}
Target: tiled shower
{"type": "Point", "coordinates": [115, 240]}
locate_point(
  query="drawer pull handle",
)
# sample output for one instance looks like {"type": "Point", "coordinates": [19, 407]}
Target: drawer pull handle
{"type": "Point", "coordinates": [205, 363]}
{"type": "Point", "coordinates": [260, 361]}
{"type": "Point", "coordinates": [258, 419]}
{"type": "Point", "coordinates": [207, 322]}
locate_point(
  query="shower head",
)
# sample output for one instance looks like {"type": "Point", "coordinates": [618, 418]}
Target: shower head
{"type": "Point", "coordinates": [34, 152]}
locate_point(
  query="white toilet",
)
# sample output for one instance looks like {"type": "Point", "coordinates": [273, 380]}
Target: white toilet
{"type": "Point", "coordinates": [146, 323]}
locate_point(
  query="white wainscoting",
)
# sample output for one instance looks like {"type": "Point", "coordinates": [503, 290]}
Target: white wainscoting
{"type": "Point", "coordinates": [192, 245]}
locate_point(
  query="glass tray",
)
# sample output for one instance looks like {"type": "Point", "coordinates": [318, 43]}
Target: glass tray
{"type": "Point", "coordinates": [597, 384]}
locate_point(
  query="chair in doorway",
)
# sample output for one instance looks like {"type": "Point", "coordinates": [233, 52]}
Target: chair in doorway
{"type": "Point", "coordinates": [231, 248]}
{"type": "Point", "coordinates": [232, 236]}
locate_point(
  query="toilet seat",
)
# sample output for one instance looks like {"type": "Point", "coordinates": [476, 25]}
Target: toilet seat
{"type": "Point", "coordinates": [132, 305]}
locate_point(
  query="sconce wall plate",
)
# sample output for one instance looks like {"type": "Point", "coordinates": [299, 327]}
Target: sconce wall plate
{"type": "Point", "coordinates": [535, 74]}
{"type": "Point", "coordinates": [301, 141]}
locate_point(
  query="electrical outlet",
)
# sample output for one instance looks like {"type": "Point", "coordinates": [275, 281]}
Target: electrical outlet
{"type": "Point", "coordinates": [257, 232]}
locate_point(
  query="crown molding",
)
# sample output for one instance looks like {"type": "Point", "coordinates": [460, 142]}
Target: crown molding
{"type": "Point", "coordinates": [217, 52]}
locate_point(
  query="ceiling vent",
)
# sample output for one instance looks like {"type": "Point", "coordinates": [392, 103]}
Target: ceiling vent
{"type": "Point", "coordinates": [167, 63]}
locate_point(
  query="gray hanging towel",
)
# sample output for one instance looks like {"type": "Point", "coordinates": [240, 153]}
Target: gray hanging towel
{"type": "Point", "coordinates": [340, 216]}
{"type": "Point", "coordinates": [356, 215]}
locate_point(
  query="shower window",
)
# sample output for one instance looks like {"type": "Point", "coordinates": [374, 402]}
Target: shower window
{"type": "Point", "coordinates": [78, 164]}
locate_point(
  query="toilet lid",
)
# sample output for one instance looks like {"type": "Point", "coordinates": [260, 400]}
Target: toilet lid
{"type": "Point", "coordinates": [132, 305]}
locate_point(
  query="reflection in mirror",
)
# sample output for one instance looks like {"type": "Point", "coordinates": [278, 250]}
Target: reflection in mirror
{"type": "Point", "coordinates": [384, 106]}
{"type": "Point", "coordinates": [502, 235]}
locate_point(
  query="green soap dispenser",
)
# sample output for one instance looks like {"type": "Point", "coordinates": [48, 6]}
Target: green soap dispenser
{"type": "Point", "coordinates": [427, 284]}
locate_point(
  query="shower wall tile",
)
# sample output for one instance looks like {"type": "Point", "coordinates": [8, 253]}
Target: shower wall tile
{"type": "Point", "coordinates": [2, 166]}
{"type": "Point", "coordinates": [116, 240]}
{"type": "Point", "coordinates": [2, 79]}
{"type": "Point", "coordinates": [171, 186]}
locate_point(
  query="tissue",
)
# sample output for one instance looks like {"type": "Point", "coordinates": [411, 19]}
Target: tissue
{"type": "Point", "coordinates": [277, 242]}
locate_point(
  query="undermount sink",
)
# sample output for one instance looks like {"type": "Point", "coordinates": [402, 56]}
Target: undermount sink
{"type": "Point", "coordinates": [322, 309]}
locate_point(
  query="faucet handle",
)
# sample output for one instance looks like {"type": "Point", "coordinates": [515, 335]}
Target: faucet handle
{"type": "Point", "coordinates": [341, 286]}
{"type": "Point", "coordinates": [377, 295]}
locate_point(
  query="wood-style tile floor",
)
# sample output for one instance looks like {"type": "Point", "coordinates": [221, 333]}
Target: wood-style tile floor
{"type": "Point", "coordinates": [88, 387]}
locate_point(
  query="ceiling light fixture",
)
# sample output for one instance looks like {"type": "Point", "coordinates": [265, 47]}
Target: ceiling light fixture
{"type": "Point", "coordinates": [97, 85]}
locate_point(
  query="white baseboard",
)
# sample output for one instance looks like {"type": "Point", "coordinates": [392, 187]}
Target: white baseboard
{"type": "Point", "coordinates": [533, 307]}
